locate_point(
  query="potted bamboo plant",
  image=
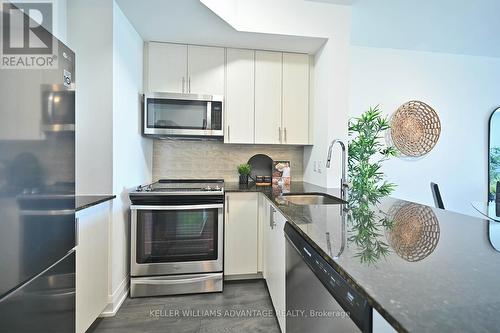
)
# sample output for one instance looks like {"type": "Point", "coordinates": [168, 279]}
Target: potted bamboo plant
{"type": "Point", "coordinates": [367, 153]}
{"type": "Point", "coordinates": [244, 171]}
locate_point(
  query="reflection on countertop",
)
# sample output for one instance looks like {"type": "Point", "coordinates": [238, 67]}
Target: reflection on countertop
{"type": "Point", "coordinates": [423, 269]}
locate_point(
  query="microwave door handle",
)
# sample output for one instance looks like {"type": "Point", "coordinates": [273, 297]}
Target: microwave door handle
{"type": "Point", "coordinates": [209, 115]}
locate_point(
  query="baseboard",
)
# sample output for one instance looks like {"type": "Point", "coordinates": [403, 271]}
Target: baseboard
{"type": "Point", "coordinates": [116, 300]}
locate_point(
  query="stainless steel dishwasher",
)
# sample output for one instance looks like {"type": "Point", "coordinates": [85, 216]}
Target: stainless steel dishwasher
{"type": "Point", "coordinates": [318, 299]}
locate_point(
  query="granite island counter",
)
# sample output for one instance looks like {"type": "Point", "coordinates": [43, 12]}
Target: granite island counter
{"type": "Point", "coordinates": [423, 269]}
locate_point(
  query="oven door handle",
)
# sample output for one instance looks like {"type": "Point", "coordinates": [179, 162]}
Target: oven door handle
{"type": "Point", "coordinates": [164, 281]}
{"type": "Point", "coordinates": [183, 207]}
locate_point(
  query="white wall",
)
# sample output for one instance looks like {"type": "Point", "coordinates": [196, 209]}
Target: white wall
{"type": "Point", "coordinates": [331, 62]}
{"type": "Point", "coordinates": [462, 89]}
{"type": "Point", "coordinates": [330, 94]}
{"type": "Point", "coordinates": [92, 41]}
{"type": "Point", "coordinates": [132, 154]}
{"type": "Point", "coordinates": [60, 28]}
{"type": "Point", "coordinates": [448, 26]}
{"type": "Point", "coordinates": [112, 156]}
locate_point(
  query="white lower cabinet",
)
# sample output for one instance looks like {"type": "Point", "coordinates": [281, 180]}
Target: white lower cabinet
{"type": "Point", "coordinates": [241, 234]}
{"type": "Point", "coordinates": [274, 261]}
{"type": "Point", "coordinates": [91, 264]}
{"type": "Point", "coordinates": [254, 241]}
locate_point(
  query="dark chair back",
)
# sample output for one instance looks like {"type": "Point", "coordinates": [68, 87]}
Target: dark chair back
{"type": "Point", "coordinates": [438, 201]}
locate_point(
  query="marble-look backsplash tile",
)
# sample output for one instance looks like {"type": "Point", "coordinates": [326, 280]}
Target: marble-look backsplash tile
{"type": "Point", "coordinates": [213, 159]}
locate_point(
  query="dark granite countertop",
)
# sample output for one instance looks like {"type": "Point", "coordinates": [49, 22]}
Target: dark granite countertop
{"type": "Point", "coordinates": [423, 269]}
{"type": "Point", "coordinates": [86, 201]}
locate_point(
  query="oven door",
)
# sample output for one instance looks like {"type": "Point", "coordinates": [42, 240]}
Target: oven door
{"type": "Point", "coordinates": [180, 239]}
{"type": "Point", "coordinates": [169, 114]}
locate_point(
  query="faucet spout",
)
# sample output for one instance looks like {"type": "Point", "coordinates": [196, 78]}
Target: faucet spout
{"type": "Point", "coordinates": [343, 181]}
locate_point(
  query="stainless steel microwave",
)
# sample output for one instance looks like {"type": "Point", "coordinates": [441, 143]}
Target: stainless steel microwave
{"type": "Point", "coordinates": [191, 115]}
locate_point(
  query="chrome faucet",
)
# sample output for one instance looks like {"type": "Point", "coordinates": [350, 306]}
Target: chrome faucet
{"type": "Point", "coordinates": [344, 186]}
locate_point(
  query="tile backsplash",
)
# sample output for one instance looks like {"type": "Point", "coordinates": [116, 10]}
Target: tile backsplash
{"type": "Point", "coordinates": [213, 159]}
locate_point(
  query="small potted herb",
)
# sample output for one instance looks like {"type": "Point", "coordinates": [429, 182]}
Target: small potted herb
{"type": "Point", "coordinates": [244, 171]}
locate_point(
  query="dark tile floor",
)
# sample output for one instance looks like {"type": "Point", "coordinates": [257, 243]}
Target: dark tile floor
{"type": "Point", "coordinates": [244, 306]}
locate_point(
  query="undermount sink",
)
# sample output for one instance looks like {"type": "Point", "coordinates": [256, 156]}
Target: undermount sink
{"type": "Point", "coordinates": [305, 199]}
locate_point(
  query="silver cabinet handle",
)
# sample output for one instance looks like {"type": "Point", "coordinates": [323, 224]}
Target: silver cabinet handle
{"type": "Point", "coordinates": [227, 205]}
{"type": "Point", "coordinates": [183, 83]}
{"type": "Point", "coordinates": [77, 232]}
{"type": "Point", "coordinates": [279, 134]}
{"type": "Point", "coordinates": [228, 134]}
{"type": "Point", "coordinates": [285, 135]}
{"type": "Point", "coordinates": [189, 84]}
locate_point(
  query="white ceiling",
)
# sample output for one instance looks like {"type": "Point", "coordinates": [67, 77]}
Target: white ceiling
{"type": "Point", "coordinates": [470, 27]}
{"type": "Point", "coordinates": [190, 22]}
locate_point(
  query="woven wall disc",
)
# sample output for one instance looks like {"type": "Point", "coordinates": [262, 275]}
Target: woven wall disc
{"type": "Point", "coordinates": [415, 231]}
{"type": "Point", "coordinates": [415, 128]}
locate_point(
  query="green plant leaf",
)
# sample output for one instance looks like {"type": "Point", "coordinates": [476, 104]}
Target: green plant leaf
{"type": "Point", "coordinates": [367, 151]}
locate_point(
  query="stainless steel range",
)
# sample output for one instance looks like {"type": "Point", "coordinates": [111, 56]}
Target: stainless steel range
{"type": "Point", "coordinates": [177, 237]}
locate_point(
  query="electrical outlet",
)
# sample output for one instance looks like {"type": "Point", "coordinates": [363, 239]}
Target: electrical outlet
{"type": "Point", "coordinates": [315, 166]}
{"type": "Point", "coordinates": [320, 166]}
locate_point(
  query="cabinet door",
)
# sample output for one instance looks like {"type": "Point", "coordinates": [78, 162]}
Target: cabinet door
{"type": "Point", "coordinates": [277, 265]}
{"type": "Point", "coordinates": [206, 70]}
{"type": "Point", "coordinates": [268, 74]}
{"type": "Point", "coordinates": [91, 264]}
{"type": "Point", "coordinates": [240, 107]}
{"type": "Point", "coordinates": [240, 234]}
{"type": "Point", "coordinates": [295, 98]}
{"type": "Point", "coordinates": [167, 67]}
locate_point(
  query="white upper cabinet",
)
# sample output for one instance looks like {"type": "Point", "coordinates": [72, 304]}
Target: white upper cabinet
{"type": "Point", "coordinates": [167, 67]}
{"type": "Point", "coordinates": [205, 70]}
{"type": "Point", "coordinates": [179, 68]}
{"type": "Point", "coordinates": [240, 105]}
{"type": "Point", "coordinates": [295, 98]}
{"type": "Point", "coordinates": [266, 92]}
{"type": "Point", "coordinates": [268, 76]}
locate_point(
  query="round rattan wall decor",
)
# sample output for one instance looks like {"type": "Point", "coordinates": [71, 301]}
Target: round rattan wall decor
{"type": "Point", "coordinates": [415, 128]}
{"type": "Point", "coordinates": [415, 231]}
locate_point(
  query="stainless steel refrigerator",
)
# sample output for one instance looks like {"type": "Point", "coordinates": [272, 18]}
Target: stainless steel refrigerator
{"type": "Point", "coordinates": [37, 196]}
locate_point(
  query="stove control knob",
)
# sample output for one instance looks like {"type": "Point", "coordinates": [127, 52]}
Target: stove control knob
{"type": "Point", "coordinates": [208, 188]}
{"type": "Point", "coordinates": [217, 188]}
